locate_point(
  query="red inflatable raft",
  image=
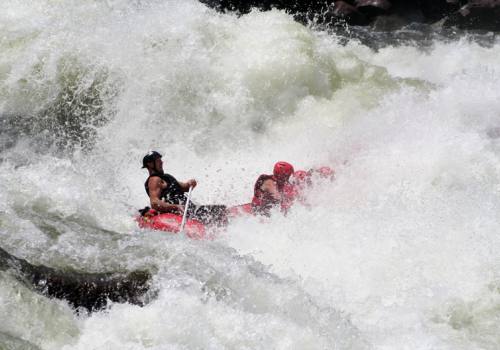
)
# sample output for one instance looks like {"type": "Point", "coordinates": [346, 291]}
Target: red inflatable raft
{"type": "Point", "coordinates": [240, 210]}
{"type": "Point", "coordinates": [171, 223]}
{"type": "Point", "coordinates": [196, 230]}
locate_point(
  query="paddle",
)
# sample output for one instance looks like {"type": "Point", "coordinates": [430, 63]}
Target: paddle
{"type": "Point", "coordinates": [186, 210]}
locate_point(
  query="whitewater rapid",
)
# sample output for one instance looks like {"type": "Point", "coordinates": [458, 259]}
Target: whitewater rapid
{"type": "Point", "coordinates": [399, 252]}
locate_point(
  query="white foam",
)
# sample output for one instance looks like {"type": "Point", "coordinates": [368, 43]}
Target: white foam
{"type": "Point", "coordinates": [409, 225]}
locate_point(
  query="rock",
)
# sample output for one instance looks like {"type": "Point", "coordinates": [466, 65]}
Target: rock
{"type": "Point", "coordinates": [484, 3]}
{"type": "Point", "coordinates": [434, 10]}
{"type": "Point", "coordinates": [476, 15]}
{"type": "Point", "coordinates": [343, 11]}
{"type": "Point", "coordinates": [388, 23]}
{"type": "Point", "coordinates": [373, 8]}
{"type": "Point", "coordinates": [88, 290]}
{"type": "Point", "coordinates": [472, 14]}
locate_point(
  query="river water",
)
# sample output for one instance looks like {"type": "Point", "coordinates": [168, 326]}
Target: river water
{"type": "Point", "coordinates": [399, 252]}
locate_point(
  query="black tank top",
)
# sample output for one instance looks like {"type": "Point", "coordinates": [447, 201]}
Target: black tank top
{"type": "Point", "coordinates": [173, 193]}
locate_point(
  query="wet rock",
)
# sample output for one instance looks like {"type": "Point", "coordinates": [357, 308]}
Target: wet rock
{"type": "Point", "coordinates": [294, 7]}
{"type": "Point", "coordinates": [373, 8]}
{"type": "Point", "coordinates": [91, 291]}
{"type": "Point", "coordinates": [434, 10]}
{"type": "Point", "coordinates": [476, 15]}
{"type": "Point", "coordinates": [388, 23]}
{"type": "Point", "coordinates": [343, 11]}
{"type": "Point", "coordinates": [472, 14]}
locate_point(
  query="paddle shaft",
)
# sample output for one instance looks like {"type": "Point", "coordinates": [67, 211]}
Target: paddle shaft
{"type": "Point", "coordinates": [184, 217]}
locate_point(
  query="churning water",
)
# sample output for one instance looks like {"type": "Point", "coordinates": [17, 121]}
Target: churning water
{"type": "Point", "coordinates": [400, 252]}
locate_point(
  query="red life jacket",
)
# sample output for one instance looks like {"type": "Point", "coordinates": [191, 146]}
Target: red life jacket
{"type": "Point", "coordinates": [289, 193]}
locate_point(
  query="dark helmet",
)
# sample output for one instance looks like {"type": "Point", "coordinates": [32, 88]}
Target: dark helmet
{"type": "Point", "coordinates": [282, 171]}
{"type": "Point", "coordinates": [150, 157]}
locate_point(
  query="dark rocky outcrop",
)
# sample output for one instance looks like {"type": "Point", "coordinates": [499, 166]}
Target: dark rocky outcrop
{"type": "Point", "coordinates": [477, 14]}
{"type": "Point", "coordinates": [435, 10]}
{"type": "Point", "coordinates": [344, 11]}
{"type": "Point", "coordinates": [465, 14]}
{"type": "Point", "coordinates": [373, 8]}
{"type": "Point", "coordinates": [91, 291]}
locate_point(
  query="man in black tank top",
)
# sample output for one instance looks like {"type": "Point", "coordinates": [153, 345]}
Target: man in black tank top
{"type": "Point", "coordinates": [166, 194]}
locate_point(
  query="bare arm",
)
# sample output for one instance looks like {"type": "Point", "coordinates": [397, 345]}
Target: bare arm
{"type": "Point", "coordinates": [154, 185]}
{"type": "Point", "coordinates": [270, 187]}
{"type": "Point", "coordinates": [186, 185]}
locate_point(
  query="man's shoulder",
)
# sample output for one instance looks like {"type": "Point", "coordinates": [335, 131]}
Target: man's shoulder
{"type": "Point", "coordinates": [264, 178]}
{"type": "Point", "coordinates": [155, 179]}
{"type": "Point", "coordinates": [264, 181]}
{"type": "Point", "coordinates": [162, 176]}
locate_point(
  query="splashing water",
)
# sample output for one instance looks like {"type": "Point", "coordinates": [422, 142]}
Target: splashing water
{"type": "Point", "coordinates": [400, 252]}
